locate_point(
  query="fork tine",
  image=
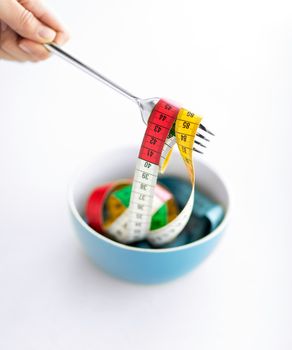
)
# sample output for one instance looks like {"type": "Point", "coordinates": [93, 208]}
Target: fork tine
{"type": "Point", "coordinates": [200, 144]}
{"type": "Point", "coordinates": [196, 150]}
{"type": "Point", "coordinates": [202, 137]}
{"type": "Point", "coordinates": [201, 126]}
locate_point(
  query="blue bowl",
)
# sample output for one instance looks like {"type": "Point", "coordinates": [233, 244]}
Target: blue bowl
{"type": "Point", "coordinates": [137, 264]}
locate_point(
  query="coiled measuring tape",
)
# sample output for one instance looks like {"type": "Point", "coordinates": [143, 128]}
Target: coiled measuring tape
{"type": "Point", "coordinates": [109, 201]}
{"type": "Point", "coordinates": [167, 125]}
{"type": "Point", "coordinates": [164, 207]}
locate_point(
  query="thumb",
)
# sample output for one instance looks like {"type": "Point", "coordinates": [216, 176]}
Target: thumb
{"type": "Point", "coordinates": [24, 23]}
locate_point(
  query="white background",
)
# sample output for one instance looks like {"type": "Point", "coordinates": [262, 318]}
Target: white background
{"type": "Point", "coordinates": [230, 61]}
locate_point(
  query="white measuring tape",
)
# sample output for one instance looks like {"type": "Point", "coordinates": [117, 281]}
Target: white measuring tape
{"type": "Point", "coordinates": [134, 223]}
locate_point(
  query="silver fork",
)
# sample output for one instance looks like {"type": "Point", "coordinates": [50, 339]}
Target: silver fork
{"type": "Point", "coordinates": [145, 105]}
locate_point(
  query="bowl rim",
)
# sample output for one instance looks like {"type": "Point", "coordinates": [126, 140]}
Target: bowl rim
{"type": "Point", "coordinates": [200, 241]}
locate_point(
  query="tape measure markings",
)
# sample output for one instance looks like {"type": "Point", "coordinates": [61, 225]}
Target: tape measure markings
{"type": "Point", "coordinates": [160, 122]}
{"type": "Point", "coordinates": [169, 232]}
{"type": "Point", "coordinates": [167, 125]}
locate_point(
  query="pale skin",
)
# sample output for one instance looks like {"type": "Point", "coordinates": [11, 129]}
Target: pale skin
{"type": "Point", "coordinates": [25, 25]}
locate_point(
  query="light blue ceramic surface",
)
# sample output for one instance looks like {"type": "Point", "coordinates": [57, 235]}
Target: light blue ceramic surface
{"type": "Point", "coordinates": [136, 264]}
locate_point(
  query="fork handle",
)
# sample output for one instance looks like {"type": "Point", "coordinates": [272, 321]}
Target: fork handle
{"type": "Point", "coordinates": [92, 72]}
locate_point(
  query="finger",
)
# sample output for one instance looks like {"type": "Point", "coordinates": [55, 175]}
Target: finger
{"type": "Point", "coordinates": [36, 51]}
{"type": "Point", "coordinates": [24, 22]}
{"type": "Point", "coordinates": [46, 17]}
{"type": "Point", "coordinates": [5, 56]}
{"type": "Point", "coordinates": [9, 44]}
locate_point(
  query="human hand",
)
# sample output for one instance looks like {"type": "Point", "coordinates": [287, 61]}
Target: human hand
{"type": "Point", "coordinates": [24, 26]}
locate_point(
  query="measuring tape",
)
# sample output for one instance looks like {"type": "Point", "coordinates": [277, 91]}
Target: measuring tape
{"type": "Point", "coordinates": [164, 207]}
{"type": "Point", "coordinates": [167, 125]}
{"type": "Point", "coordinates": [106, 203]}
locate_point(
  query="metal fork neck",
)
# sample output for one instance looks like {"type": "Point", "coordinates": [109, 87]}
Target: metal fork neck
{"type": "Point", "coordinates": [92, 72]}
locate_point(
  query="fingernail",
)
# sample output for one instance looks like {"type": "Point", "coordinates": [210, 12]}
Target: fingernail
{"type": "Point", "coordinates": [47, 33]}
{"type": "Point", "coordinates": [24, 48]}
{"type": "Point", "coordinates": [3, 26]}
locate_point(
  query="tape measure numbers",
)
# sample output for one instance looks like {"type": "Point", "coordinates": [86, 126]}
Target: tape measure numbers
{"type": "Point", "coordinates": [134, 224]}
